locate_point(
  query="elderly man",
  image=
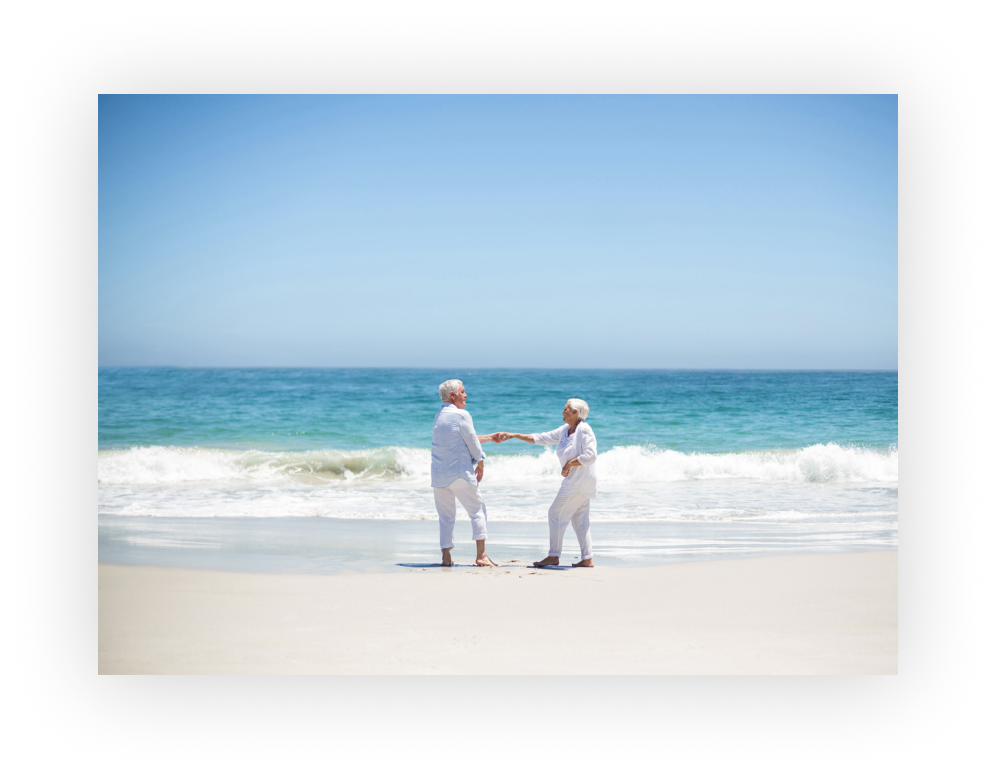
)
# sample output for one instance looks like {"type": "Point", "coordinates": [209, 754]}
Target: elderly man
{"type": "Point", "coordinates": [457, 468]}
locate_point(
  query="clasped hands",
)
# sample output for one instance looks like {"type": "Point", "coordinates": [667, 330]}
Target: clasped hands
{"type": "Point", "coordinates": [502, 436]}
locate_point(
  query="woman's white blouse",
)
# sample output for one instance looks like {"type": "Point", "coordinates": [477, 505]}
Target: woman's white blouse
{"type": "Point", "coordinates": [581, 446]}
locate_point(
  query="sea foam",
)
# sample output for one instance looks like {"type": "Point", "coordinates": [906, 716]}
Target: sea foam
{"type": "Point", "coordinates": [814, 464]}
{"type": "Point", "coordinates": [149, 465]}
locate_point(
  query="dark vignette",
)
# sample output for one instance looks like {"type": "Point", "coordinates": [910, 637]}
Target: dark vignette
{"type": "Point", "coordinates": [734, 714]}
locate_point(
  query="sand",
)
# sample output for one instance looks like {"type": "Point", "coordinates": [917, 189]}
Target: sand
{"type": "Point", "coordinates": [800, 614]}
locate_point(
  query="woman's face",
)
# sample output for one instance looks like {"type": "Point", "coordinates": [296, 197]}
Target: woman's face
{"type": "Point", "coordinates": [570, 414]}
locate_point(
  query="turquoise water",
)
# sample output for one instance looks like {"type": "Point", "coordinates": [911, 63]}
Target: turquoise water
{"type": "Point", "coordinates": [688, 411]}
{"type": "Point", "coordinates": [691, 463]}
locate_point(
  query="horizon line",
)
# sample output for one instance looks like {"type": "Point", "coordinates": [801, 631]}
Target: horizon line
{"type": "Point", "coordinates": [593, 369]}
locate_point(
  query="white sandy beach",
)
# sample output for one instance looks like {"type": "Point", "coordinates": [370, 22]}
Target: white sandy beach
{"type": "Point", "coordinates": [802, 614]}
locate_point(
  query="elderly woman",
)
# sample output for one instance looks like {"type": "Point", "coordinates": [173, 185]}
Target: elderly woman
{"type": "Point", "coordinates": [577, 452]}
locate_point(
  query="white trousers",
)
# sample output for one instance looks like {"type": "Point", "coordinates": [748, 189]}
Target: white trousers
{"type": "Point", "coordinates": [570, 509]}
{"type": "Point", "coordinates": [470, 497]}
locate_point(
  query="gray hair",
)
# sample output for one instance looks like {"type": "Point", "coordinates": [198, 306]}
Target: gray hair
{"type": "Point", "coordinates": [580, 405]}
{"type": "Point", "coordinates": [448, 387]}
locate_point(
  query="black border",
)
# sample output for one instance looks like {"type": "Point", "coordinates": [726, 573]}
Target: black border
{"type": "Point", "coordinates": [63, 713]}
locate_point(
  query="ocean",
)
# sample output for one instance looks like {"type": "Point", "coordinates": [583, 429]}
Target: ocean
{"type": "Point", "coordinates": [327, 469]}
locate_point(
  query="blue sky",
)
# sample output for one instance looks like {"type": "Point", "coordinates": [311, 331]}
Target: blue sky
{"type": "Point", "coordinates": [499, 231]}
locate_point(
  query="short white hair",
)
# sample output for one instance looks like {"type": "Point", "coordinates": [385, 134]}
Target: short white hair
{"type": "Point", "coordinates": [449, 387]}
{"type": "Point", "coordinates": [580, 405]}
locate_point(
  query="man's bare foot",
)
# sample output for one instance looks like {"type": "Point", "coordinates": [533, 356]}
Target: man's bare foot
{"type": "Point", "coordinates": [549, 561]}
{"type": "Point", "coordinates": [447, 558]}
{"type": "Point", "coordinates": [484, 561]}
{"type": "Point", "coordinates": [585, 562]}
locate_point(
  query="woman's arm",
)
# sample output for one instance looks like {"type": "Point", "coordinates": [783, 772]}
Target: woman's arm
{"type": "Point", "coordinates": [589, 452]}
{"type": "Point", "coordinates": [589, 448]}
{"type": "Point", "coordinates": [545, 438]}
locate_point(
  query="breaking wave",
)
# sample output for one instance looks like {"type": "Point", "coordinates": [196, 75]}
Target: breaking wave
{"type": "Point", "coordinates": [150, 465]}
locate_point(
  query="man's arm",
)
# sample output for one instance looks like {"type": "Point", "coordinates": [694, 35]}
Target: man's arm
{"type": "Point", "coordinates": [472, 441]}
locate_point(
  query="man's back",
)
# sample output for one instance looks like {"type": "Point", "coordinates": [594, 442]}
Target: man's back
{"type": "Point", "coordinates": [455, 447]}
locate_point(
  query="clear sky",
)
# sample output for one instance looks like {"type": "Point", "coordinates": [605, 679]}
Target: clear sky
{"type": "Point", "coordinates": [499, 231]}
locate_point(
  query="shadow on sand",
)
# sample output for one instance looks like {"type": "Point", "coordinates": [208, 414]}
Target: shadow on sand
{"type": "Point", "coordinates": [437, 565]}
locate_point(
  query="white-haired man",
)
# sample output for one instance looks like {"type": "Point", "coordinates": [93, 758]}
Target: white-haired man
{"type": "Point", "coordinates": [457, 469]}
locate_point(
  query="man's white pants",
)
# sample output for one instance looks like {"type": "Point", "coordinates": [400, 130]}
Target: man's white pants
{"type": "Point", "coordinates": [470, 497]}
{"type": "Point", "coordinates": [571, 508]}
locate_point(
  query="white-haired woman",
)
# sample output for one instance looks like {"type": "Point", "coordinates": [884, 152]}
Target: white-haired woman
{"type": "Point", "coordinates": [577, 452]}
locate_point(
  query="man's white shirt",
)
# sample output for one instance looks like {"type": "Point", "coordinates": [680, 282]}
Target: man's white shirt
{"type": "Point", "coordinates": [455, 447]}
{"type": "Point", "coordinates": [581, 446]}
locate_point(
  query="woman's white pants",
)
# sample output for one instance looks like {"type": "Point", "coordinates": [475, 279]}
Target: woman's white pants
{"type": "Point", "coordinates": [571, 508]}
{"type": "Point", "coordinates": [470, 497]}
